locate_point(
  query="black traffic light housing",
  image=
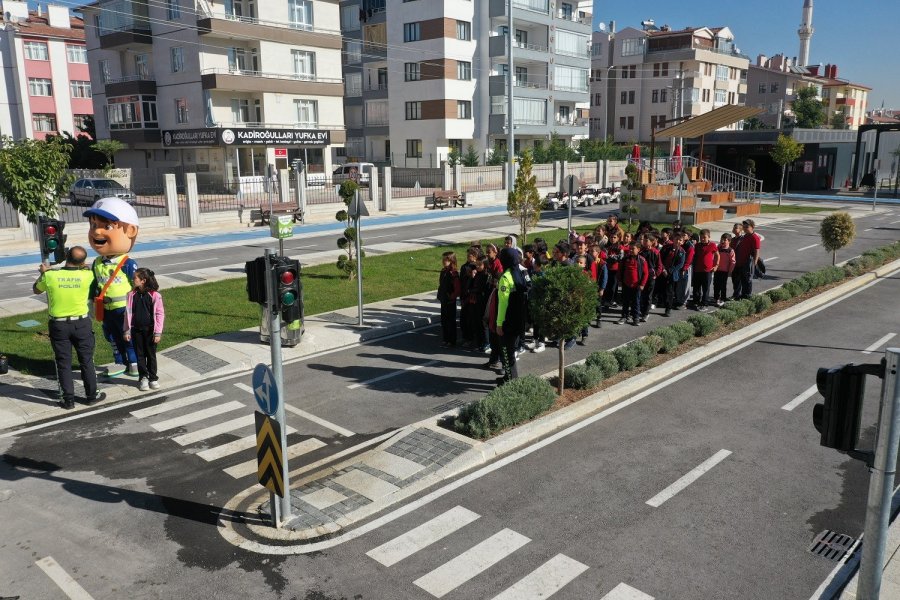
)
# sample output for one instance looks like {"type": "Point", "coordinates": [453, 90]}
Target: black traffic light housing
{"type": "Point", "coordinates": [838, 417]}
{"type": "Point", "coordinates": [257, 271]}
{"type": "Point", "coordinates": [288, 293]}
{"type": "Point", "coordinates": [53, 240]}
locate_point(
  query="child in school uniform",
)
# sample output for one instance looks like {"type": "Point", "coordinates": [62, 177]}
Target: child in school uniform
{"type": "Point", "coordinates": [467, 310]}
{"type": "Point", "coordinates": [448, 292]}
{"type": "Point", "coordinates": [723, 270]}
{"type": "Point", "coordinates": [145, 316]}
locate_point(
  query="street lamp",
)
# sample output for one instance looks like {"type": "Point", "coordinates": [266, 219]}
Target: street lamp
{"type": "Point", "coordinates": [606, 104]}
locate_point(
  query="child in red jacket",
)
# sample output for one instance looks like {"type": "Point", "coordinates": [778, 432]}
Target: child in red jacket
{"type": "Point", "coordinates": [633, 274]}
{"type": "Point", "coordinates": [448, 292]}
{"type": "Point", "coordinates": [706, 261]}
{"type": "Point", "coordinates": [724, 269]}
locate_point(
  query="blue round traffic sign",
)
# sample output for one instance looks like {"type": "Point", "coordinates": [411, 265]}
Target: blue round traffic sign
{"type": "Point", "coordinates": [264, 389]}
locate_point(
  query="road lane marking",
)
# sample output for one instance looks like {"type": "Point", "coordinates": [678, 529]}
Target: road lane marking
{"type": "Point", "coordinates": [689, 478]}
{"type": "Point", "coordinates": [309, 417]}
{"type": "Point", "coordinates": [806, 247]}
{"type": "Point", "coordinates": [214, 430]}
{"type": "Point", "coordinates": [770, 259]}
{"type": "Point", "coordinates": [197, 416]}
{"type": "Point", "coordinates": [869, 229]}
{"type": "Point", "coordinates": [63, 580]}
{"type": "Point", "coordinates": [392, 374]}
{"type": "Point", "coordinates": [245, 443]}
{"type": "Point", "coordinates": [544, 581]}
{"type": "Point", "coordinates": [879, 343]}
{"type": "Point", "coordinates": [175, 404]}
{"type": "Point", "coordinates": [800, 399]}
{"type": "Point", "coordinates": [188, 262]}
{"type": "Point", "coordinates": [246, 468]}
{"type": "Point", "coordinates": [378, 237]}
{"type": "Point", "coordinates": [429, 532]}
{"type": "Point", "coordinates": [470, 563]}
{"type": "Point", "coordinates": [894, 222]}
{"type": "Point", "coordinates": [626, 592]}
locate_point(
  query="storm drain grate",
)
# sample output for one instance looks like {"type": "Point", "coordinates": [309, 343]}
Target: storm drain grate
{"type": "Point", "coordinates": [442, 408]}
{"type": "Point", "coordinates": [831, 545]}
{"type": "Point", "coordinates": [195, 359]}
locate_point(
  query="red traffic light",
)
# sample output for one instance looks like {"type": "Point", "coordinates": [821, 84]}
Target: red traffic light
{"type": "Point", "coordinates": [50, 230]}
{"type": "Point", "coordinates": [287, 277]}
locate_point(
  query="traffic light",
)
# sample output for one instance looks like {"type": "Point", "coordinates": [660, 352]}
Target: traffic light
{"type": "Point", "coordinates": [257, 271]}
{"type": "Point", "coordinates": [53, 241]}
{"type": "Point", "coordinates": [287, 289]}
{"type": "Point", "coordinates": [838, 418]}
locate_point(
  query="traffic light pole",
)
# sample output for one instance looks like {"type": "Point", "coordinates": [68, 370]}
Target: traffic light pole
{"type": "Point", "coordinates": [358, 243]}
{"type": "Point", "coordinates": [281, 509]}
{"type": "Point", "coordinates": [881, 483]}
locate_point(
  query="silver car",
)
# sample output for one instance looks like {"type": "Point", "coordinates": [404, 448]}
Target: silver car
{"type": "Point", "coordinates": [86, 191]}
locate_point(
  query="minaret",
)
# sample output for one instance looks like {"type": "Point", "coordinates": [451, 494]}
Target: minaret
{"type": "Point", "coordinates": [805, 32]}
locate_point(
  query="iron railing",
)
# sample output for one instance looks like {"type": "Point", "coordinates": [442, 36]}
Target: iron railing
{"type": "Point", "coordinates": [666, 170]}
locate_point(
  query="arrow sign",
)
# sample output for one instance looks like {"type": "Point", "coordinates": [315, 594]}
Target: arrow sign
{"type": "Point", "coordinates": [264, 389]}
{"type": "Point", "coordinates": [268, 454]}
{"type": "Point", "coordinates": [683, 178]}
{"type": "Point", "coordinates": [357, 208]}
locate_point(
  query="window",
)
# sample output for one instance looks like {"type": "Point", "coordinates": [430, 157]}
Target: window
{"type": "Point", "coordinates": [720, 96]}
{"type": "Point", "coordinates": [464, 109]}
{"type": "Point", "coordinates": [565, 11]}
{"type": "Point", "coordinates": [353, 51]}
{"type": "Point", "coordinates": [173, 9]}
{"type": "Point", "coordinates": [413, 111]}
{"type": "Point", "coordinates": [463, 30]}
{"type": "Point", "coordinates": [40, 87]}
{"type": "Point", "coordinates": [663, 93]}
{"type": "Point", "coordinates": [142, 66]}
{"type": "Point", "coordinates": [624, 73]}
{"type": "Point", "coordinates": [412, 72]}
{"type": "Point", "coordinates": [80, 122]}
{"type": "Point", "coordinates": [654, 97]}
{"type": "Point", "coordinates": [43, 122]}
{"type": "Point", "coordinates": [632, 47]}
{"type": "Point", "coordinates": [103, 65]}
{"type": "Point", "coordinates": [300, 14]}
{"type": "Point", "coordinates": [350, 17]}
{"type": "Point", "coordinates": [623, 97]}
{"type": "Point", "coordinates": [706, 95]}
{"type": "Point", "coordinates": [774, 88]}
{"type": "Point", "coordinates": [762, 88]}
{"type": "Point", "coordinates": [463, 70]}
{"type": "Point", "coordinates": [177, 59]}
{"type": "Point", "coordinates": [721, 73]}
{"type": "Point", "coordinates": [181, 110]}
{"type": "Point", "coordinates": [622, 122]}
{"type": "Point", "coordinates": [571, 79]}
{"type": "Point", "coordinates": [304, 64]}
{"type": "Point", "coordinates": [80, 89]}
{"type": "Point", "coordinates": [631, 97]}
{"type": "Point", "coordinates": [656, 69]}
{"type": "Point", "coordinates": [307, 113]}
{"type": "Point", "coordinates": [413, 148]}
{"type": "Point", "coordinates": [571, 44]}
{"type": "Point", "coordinates": [377, 112]}
{"type": "Point", "coordinates": [240, 110]}
{"type": "Point", "coordinates": [665, 69]}
{"type": "Point", "coordinates": [630, 122]}
{"type": "Point", "coordinates": [132, 112]}
{"type": "Point", "coordinates": [597, 49]}
{"type": "Point", "coordinates": [76, 54]}
{"type": "Point", "coordinates": [455, 145]}
{"type": "Point", "coordinates": [411, 32]}
{"type": "Point", "coordinates": [565, 115]}
{"type": "Point", "coordinates": [36, 51]}
{"type": "Point", "coordinates": [353, 85]}
{"type": "Point", "coordinates": [597, 98]}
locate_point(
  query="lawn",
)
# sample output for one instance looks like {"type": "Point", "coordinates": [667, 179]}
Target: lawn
{"type": "Point", "coordinates": [792, 209]}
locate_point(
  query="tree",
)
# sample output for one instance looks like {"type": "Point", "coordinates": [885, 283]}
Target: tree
{"type": "Point", "coordinates": [470, 158]}
{"type": "Point", "coordinates": [347, 262]}
{"type": "Point", "coordinates": [753, 124]}
{"type": "Point", "coordinates": [628, 198]}
{"type": "Point", "coordinates": [785, 151]}
{"type": "Point", "coordinates": [33, 175]}
{"type": "Point", "coordinates": [594, 149]}
{"type": "Point", "coordinates": [837, 231]}
{"type": "Point", "coordinates": [497, 156]}
{"type": "Point", "coordinates": [750, 168]}
{"type": "Point", "coordinates": [556, 150]}
{"type": "Point", "coordinates": [809, 113]}
{"type": "Point", "coordinates": [108, 149]}
{"type": "Point", "coordinates": [82, 154]}
{"type": "Point", "coordinates": [839, 120]}
{"type": "Point", "coordinates": [524, 203]}
{"type": "Point", "coordinates": [453, 157]}
{"type": "Point", "coordinates": [562, 302]}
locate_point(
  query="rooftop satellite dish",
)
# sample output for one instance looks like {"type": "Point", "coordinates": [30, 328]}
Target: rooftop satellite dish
{"type": "Point", "coordinates": [601, 27]}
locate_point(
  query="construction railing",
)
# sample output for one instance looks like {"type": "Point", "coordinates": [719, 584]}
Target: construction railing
{"type": "Point", "coordinates": [666, 170]}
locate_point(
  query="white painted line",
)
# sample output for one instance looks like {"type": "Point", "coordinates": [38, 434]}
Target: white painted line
{"type": "Point", "coordinates": [429, 532]}
{"type": "Point", "coordinates": [245, 387]}
{"type": "Point", "coordinates": [770, 259]}
{"type": "Point", "coordinates": [197, 416]}
{"type": "Point", "coordinates": [544, 581]}
{"type": "Point", "coordinates": [174, 404]}
{"type": "Point", "coordinates": [245, 443]}
{"type": "Point", "coordinates": [800, 399]}
{"type": "Point", "coordinates": [318, 420]}
{"type": "Point", "coordinates": [626, 592]}
{"type": "Point", "coordinates": [894, 222]}
{"type": "Point", "coordinates": [470, 563]}
{"type": "Point", "coordinates": [879, 343]}
{"type": "Point", "coordinates": [214, 430]}
{"type": "Point", "coordinates": [869, 229]}
{"type": "Point", "coordinates": [806, 247]}
{"type": "Point", "coordinates": [689, 478]}
{"type": "Point", "coordinates": [392, 374]}
{"type": "Point", "coordinates": [378, 237]}
{"type": "Point", "coordinates": [365, 484]}
{"type": "Point", "coordinates": [246, 468]}
{"type": "Point", "coordinates": [63, 580]}
{"type": "Point", "coordinates": [189, 262]}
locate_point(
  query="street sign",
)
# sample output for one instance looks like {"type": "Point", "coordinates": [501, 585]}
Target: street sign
{"type": "Point", "coordinates": [264, 389]}
{"type": "Point", "coordinates": [357, 208]}
{"type": "Point", "coordinates": [683, 178]}
{"type": "Point", "coordinates": [571, 184]}
{"type": "Point", "coordinates": [281, 226]}
{"type": "Point", "coordinates": [269, 454]}
{"type": "Point", "coordinates": [807, 166]}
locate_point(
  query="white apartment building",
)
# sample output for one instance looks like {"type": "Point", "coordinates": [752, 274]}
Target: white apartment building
{"type": "Point", "coordinates": [637, 75]}
{"type": "Point", "coordinates": [221, 88]}
{"type": "Point", "coordinates": [425, 76]}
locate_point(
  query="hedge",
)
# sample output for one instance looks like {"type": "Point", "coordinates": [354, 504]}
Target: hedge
{"type": "Point", "coordinates": [642, 351]}
{"type": "Point", "coordinates": [510, 404]}
{"type": "Point", "coordinates": [668, 337]}
{"type": "Point", "coordinates": [583, 376]}
{"type": "Point", "coordinates": [726, 316]}
{"type": "Point", "coordinates": [703, 324]}
{"type": "Point", "coordinates": [778, 295]}
{"type": "Point", "coordinates": [654, 342]}
{"type": "Point", "coordinates": [761, 303]}
{"type": "Point", "coordinates": [683, 330]}
{"type": "Point", "coordinates": [627, 357]}
{"type": "Point", "coordinates": [792, 289]}
{"type": "Point", "coordinates": [738, 307]}
{"type": "Point", "coordinates": [605, 360]}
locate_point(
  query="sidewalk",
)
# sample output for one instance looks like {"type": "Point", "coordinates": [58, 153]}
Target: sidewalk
{"type": "Point", "coordinates": [890, 582]}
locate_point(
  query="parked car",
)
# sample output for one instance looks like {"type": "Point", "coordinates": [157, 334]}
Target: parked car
{"type": "Point", "coordinates": [358, 172]}
{"type": "Point", "coordinates": [556, 200]}
{"type": "Point", "coordinates": [86, 191]}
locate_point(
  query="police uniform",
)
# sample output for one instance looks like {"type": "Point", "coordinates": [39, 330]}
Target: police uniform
{"type": "Point", "coordinates": [68, 290]}
{"type": "Point", "coordinates": [114, 303]}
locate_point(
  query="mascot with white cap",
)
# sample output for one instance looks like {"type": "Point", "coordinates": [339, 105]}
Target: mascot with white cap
{"type": "Point", "coordinates": [112, 234]}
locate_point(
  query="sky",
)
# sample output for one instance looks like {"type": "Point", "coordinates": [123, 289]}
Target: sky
{"type": "Point", "coordinates": [863, 44]}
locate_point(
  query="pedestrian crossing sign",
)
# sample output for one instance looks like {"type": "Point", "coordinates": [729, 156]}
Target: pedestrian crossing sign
{"type": "Point", "coordinates": [269, 457]}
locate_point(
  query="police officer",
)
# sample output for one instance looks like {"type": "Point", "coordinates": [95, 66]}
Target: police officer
{"type": "Point", "coordinates": [70, 323]}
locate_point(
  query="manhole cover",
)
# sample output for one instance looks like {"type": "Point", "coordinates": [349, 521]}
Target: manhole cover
{"type": "Point", "coordinates": [442, 408]}
{"type": "Point", "coordinates": [831, 545]}
{"type": "Point", "coordinates": [195, 359]}
{"type": "Point", "coordinates": [185, 277]}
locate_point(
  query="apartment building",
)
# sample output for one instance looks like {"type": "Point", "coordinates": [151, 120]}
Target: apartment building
{"type": "Point", "coordinates": [222, 88]}
{"type": "Point", "coordinates": [643, 78]}
{"type": "Point", "coordinates": [45, 87]}
{"type": "Point", "coordinates": [425, 76]}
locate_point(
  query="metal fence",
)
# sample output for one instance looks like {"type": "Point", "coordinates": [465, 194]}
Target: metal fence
{"type": "Point", "coordinates": [148, 202]}
{"type": "Point", "coordinates": [585, 171]}
{"type": "Point", "coordinates": [410, 183]}
{"type": "Point", "coordinates": [544, 174]}
{"type": "Point", "coordinates": [9, 218]}
{"type": "Point", "coordinates": [480, 179]}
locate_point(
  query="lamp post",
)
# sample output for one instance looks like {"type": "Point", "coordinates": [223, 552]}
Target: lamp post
{"type": "Point", "coordinates": [606, 104]}
{"type": "Point", "coordinates": [510, 148]}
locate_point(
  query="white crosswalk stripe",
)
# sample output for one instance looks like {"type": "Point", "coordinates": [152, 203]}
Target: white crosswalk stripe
{"type": "Point", "coordinates": [197, 416]}
{"type": "Point", "coordinates": [246, 468]}
{"type": "Point", "coordinates": [245, 443]}
{"type": "Point", "coordinates": [546, 580]}
{"type": "Point", "coordinates": [175, 404]}
{"type": "Point", "coordinates": [392, 552]}
{"type": "Point", "coordinates": [214, 430]}
{"type": "Point", "coordinates": [626, 592]}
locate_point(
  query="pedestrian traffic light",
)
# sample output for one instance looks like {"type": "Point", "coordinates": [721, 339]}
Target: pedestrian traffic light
{"type": "Point", "coordinates": [257, 271]}
{"type": "Point", "coordinates": [53, 240]}
{"type": "Point", "coordinates": [287, 289]}
{"type": "Point", "coordinates": [838, 418]}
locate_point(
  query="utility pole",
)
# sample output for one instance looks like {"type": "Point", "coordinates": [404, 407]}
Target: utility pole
{"type": "Point", "coordinates": [510, 136]}
{"type": "Point", "coordinates": [780, 113]}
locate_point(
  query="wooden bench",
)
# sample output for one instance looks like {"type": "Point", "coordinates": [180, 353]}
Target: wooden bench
{"type": "Point", "coordinates": [265, 212]}
{"type": "Point", "coordinates": [445, 198]}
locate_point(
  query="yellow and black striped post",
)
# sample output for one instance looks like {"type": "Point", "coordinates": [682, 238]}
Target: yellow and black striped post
{"type": "Point", "coordinates": [269, 456]}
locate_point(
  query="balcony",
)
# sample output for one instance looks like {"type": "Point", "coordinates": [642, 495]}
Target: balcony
{"type": "Point", "coordinates": [136, 32]}
{"type": "Point", "coordinates": [574, 16]}
{"type": "Point", "coordinates": [235, 80]}
{"type": "Point", "coordinates": [376, 90]}
{"type": "Point", "coordinates": [136, 136]}
{"type": "Point", "coordinates": [845, 101]}
{"type": "Point", "coordinates": [532, 87]}
{"type": "Point", "coordinates": [532, 52]}
{"type": "Point", "coordinates": [571, 126]}
{"type": "Point", "coordinates": [224, 26]}
{"type": "Point", "coordinates": [131, 84]}
{"type": "Point", "coordinates": [497, 126]}
{"type": "Point", "coordinates": [537, 11]}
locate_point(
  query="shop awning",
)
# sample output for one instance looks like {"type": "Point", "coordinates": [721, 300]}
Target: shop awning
{"type": "Point", "coordinates": [708, 122]}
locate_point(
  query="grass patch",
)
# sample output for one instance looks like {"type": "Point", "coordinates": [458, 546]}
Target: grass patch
{"type": "Point", "coordinates": [793, 209]}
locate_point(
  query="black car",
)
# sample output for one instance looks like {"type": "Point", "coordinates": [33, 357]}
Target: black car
{"type": "Point", "coordinates": [87, 191]}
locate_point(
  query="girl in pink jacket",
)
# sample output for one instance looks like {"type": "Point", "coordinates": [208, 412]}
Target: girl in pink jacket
{"type": "Point", "coordinates": [144, 318]}
{"type": "Point", "coordinates": [726, 266]}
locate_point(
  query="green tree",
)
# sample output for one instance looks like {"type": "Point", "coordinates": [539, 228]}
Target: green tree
{"type": "Point", "coordinates": [785, 151]}
{"type": "Point", "coordinates": [595, 149]}
{"type": "Point", "coordinates": [556, 150]}
{"type": "Point", "coordinates": [453, 157]}
{"type": "Point", "coordinates": [753, 124]}
{"type": "Point", "coordinates": [837, 231]}
{"type": "Point", "coordinates": [347, 241]}
{"type": "Point", "coordinates": [497, 156]}
{"type": "Point", "coordinates": [839, 120]}
{"type": "Point", "coordinates": [562, 302]}
{"type": "Point", "coordinates": [808, 111]}
{"type": "Point", "coordinates": [470, 158]}
{"type": "Point", "coordinates": [82, 154]}
{"type": "Point", "coordinates": [108, 149]}
{"type": "Point", "coordinates": [33, 175]}
{"type": "Point", "coordinates": [524, 203]}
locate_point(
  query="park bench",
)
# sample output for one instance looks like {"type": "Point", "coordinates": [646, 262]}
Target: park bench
{"type": "Point", "coordinates": [444, 198]}
{"type": "Point", "coordinates": [265, 211]}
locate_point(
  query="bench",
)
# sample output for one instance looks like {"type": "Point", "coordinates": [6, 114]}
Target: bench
{"type": "Point", "coordinates": [265, 212]}
{"type": "Point", "coordinates": [445, 198]}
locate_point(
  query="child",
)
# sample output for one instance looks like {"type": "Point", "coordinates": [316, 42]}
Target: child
{"type": "Point", "coordinates": [601, 275]}
{"type": "Point", "coordinates": [467, 309]}
{"type": "Point", "coordinates": [496, 268]}
{"type": "Point", "coordinates": [144, 319]}
{"type": "Point", "coordinates": [582, 262]}
{"type": "Point", "coordinates": [614, 253]}
{"type": "Point", "coordinates": [706, 261]}
{"type": "Point", "coordinates": [633, 275]}
{"type": "Point", "coordinates": [537, 270]}
{"type": "Point", "coordinates": [723, 270]}
{"type": "Point", "coordinates": [448, 292]}
{"type": "Point", "coordinates": [654, 268]}
{"type": "Point", "coordinates": [673, 257]}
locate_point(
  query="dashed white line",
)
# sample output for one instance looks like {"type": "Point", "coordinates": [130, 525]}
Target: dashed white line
{"type": "Point", "coordinates": [391, 374]}
{"type": "Point", "coordinates": [806, 247]}
{"type": "Point", "coordinates": [63, 580]}
{"type": "Point", "coordinates": [869, 229]}
{"type": "Point", "coordinates": [689, 478]}
{"type": "Point", "coordinates": [189, 262]}
{"type": "Point", "coordinates": [544, 581]}
{"type": "Point", "coordinates": [894, 222]}
{"type": "Point", "coordinates": [770, 259]}
{"type": "Point", "coordinates": [199, 415]}
{"type": "Point", "coordinates": [175, 404]}
{"type": "Point", "coordinates": [879, 343]}
{"type": "Point", "coordinates": [800, 399]}
{"type": "Point", "coordinates": [299, 449]}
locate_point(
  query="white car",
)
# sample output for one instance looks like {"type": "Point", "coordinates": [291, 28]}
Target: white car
{"type": "Point", "coordinates": [358, 172]}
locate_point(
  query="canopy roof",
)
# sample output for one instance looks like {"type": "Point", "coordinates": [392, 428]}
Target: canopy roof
{"type": "Point", "coordinates": [708, 122]}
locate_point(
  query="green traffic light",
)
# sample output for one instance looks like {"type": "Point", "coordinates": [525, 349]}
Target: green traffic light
{"type": "Point", "coordinates": [288, 298]}
{"type": "Point", "coordinates": [51, 244]}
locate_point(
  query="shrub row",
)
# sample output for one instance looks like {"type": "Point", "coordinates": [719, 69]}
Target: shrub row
{"type": "Point", "coordinates": [510, 404]}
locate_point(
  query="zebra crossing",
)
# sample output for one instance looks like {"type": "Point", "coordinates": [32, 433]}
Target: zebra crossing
{"type": "Point", "coordinates": [542, 582]}
{"type": "Point", "coordinates": [202, 413]}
